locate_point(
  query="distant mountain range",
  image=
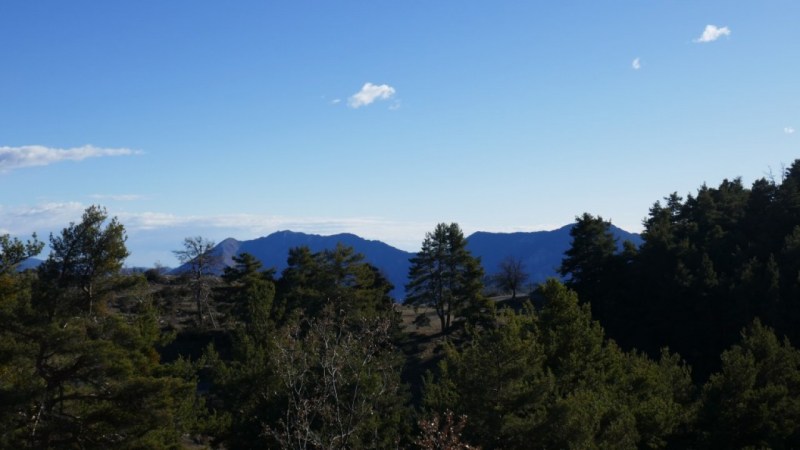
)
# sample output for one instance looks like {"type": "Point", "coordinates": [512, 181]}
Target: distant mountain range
{"type": "Point", "coordinates": [540, 251]}
{"type": "Point", "coordinates": [273, 251]}
{"type": "Point", "coordinates": [30, 263]}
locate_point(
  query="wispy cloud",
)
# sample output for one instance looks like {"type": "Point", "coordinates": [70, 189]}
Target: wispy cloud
{"type": "Point", "coordinates": [248, 226]}
{"type": "Point", "coordinates": [712, 33]}
{"type": "Point", "coordinates": [369, 93]}
{"type": "Point", "coordinates": [146, 226]}
{"type": "Point", "coordinates": [789, 130]}
{"type": "Point", "coordinates": [636, 64]}
{"type": "Point", "coordinates": [42, 218]}
{"type": "Point", "coordinates": [12, 158]}
{"type": "Point", "coordinates": [153, 235]}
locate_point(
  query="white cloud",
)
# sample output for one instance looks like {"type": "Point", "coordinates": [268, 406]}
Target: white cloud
{"type": "Point", "coordinates": [250, 226]}
{"type": "Point", "coordinates": [53, 216]}
{"type": "Point", "coordinates": [42, 218]}
{"type": "Point", "coordinates": [369, 93]}
{"type": "Point", "coordinates": [12, 158]}
{"type": "Point", "coordinates": [153, 235]}
{"type": "Point", "coordinates": [712, 33]}
{"type": "Point", "coordinates": [336, 101]}
{"type": "Point", "coordinates": [636, 64]}
{"type": "Point", "coordinates": [789, 130]}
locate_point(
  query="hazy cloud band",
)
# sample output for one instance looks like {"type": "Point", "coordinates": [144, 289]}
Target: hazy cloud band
{"type": "Point", "coordinates": [12, 158]}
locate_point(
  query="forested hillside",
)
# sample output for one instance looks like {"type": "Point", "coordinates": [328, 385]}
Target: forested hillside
{"type": "Point", "coordinates": [686, 341]}
{"type": "Point", "coordinates": [708, 266]}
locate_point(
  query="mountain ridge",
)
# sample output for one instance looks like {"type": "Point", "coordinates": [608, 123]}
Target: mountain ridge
{"type": "Point", "coordinates": [541, 252]}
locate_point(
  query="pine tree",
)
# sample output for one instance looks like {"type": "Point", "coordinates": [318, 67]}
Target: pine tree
{"type": "Point", "coordinates": [72, 375]}
{"type": "Point", "coordinates": [337, 277]}
{"type": "Point", "coordinates": [753, 401]}
{"type": "Point", "coordinates": [549, 379]}
{"type": "Point", "coordinates": [589, 256]}
{"type": "Point", "coordinates": [85, 257]}
{"type": "Point", "coordinates": [445, 276]}
{"type": "Point", "coordinates": [13, 252]}
{"type": "Point", "coordinates": [312, 363]}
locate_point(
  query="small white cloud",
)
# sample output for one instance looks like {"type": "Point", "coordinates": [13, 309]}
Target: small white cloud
{"type": "Point", "coordinates": [369, 93]}
{"type": "Point", "coordinates": [12, 158]}
{"type": "Point", "coordinates": [636, 64]}
{"type": "Point", "coordinates": [789, 130]}
{"type": "Point", "coordinates": [712, 33]}
{"type": "Point", "coordinates": [336, 101]}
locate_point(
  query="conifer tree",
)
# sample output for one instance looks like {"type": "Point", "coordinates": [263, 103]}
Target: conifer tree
{"type": "Point", "coordinates": [754, 401]}
{"type": "Point", "coordinates": [73, 375]}
{"type": "Point", "coordinates": [445, 276]}
{"type": "Point", "coordinates": [338, 276]}
{"type": "Point", "coordinates": [549, 379]}
{"type": "Point", "coordinates": [312, 362]}
{"type": "Point", "coordinates": [13, 251]}
{"type": "Point", "coordinates": [85, 258]}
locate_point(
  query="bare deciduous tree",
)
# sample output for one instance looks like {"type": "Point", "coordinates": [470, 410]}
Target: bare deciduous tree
{"type": "Point", "coordinates": [511, 275]}
{"type": "Point", "coordinates": [197, 253]}
{"type": "Point", "coordinates": [337, 379]}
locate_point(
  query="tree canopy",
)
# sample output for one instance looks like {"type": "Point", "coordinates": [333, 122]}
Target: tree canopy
{"type": "Point", "coordinates": [73, 375]}
{"type": "Point", "coordinates": [683, 342]}
{"type": "Point", "coordinates": [711, 262]}
{"type": "Point", "coordinates": [444, 275]}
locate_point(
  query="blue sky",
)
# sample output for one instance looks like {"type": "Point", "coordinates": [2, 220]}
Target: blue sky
{"type": "Point", "coordinates": [237, 119]}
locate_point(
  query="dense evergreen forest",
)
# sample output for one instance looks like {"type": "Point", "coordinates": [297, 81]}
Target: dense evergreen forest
{"type": "Point", "coordinates": [682, 342]}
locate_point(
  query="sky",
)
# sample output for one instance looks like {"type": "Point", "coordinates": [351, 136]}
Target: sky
{"type": "Point", "coordinates": [383, 118]}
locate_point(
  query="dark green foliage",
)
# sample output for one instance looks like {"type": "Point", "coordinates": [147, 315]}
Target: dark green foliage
{"type": "Point", "coordinates": [75, 376]}
{"type": "Point", "coordinates": [573, 342]}
{"type": "Point", "coordinates": [78, 274]}
{"type": "Point", "coordinates": [313, 364]}
{"type": "Point", "coordinates": [710, 263]}
{"type": "Point", "coordinates": [339, 277]}
{"type": "Point", "coordinates": [497, 381]}
{"type": "Point", "coordinates": [13, 251]}
{"type": "Point", "coordinates": [755, 400]}
{"type": "Point", "coordinates": [593, 247]}
{"type": "Point", "coordinates": [92, 385]}
{"type": "Point", "coordinates": [445, 276]}
{"type": "Point", "coordinates": [595, 270]}
{"type": "Point", "coordinates": [242, 385]}
{"type": "Point", "coordinates": [550, 380]}
{"type": "Point", "coordinates": [248, 293]}
{"type": "Point", "coordinates": [311, 359]}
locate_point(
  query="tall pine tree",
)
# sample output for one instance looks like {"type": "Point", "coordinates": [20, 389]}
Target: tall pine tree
{"type": "Point", "coordinates": [444, 275]}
